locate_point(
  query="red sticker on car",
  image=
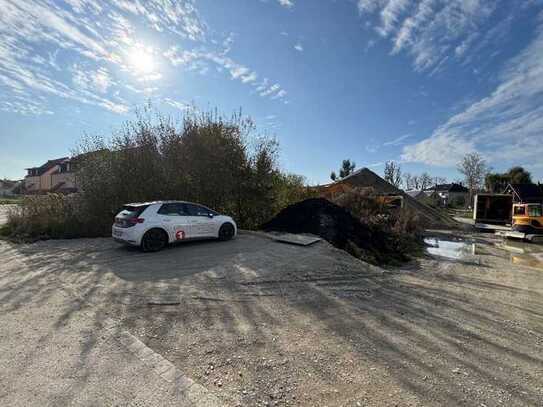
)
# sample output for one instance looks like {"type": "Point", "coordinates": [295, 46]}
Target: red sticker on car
{"type": "Point", "coordinates": [180, 235]}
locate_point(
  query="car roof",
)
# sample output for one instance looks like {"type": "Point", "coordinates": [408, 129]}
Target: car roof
{"type": "Point", "coordinates": [159, 203]}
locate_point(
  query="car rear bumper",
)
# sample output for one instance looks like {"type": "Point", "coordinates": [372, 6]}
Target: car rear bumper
{"type": "Point", "coordinates": [125, 236]}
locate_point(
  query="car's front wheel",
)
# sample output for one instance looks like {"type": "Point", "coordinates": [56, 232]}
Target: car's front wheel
{"type": "Point", "coordinates": [226, 232]}
{"type": "Point", "coordinates": [154, 240]}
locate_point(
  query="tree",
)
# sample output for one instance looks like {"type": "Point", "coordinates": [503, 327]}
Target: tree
{"type": "Point", "coordinates": [207, 158]}
{"type": "Point", "coordinates": [518, 175]}
{"type": "Point", "coordinates": [425, 181]}
{"type": "Point", "coordinates": [474, 169]}
{"type": "Point", "coordinates": [497, 182]}
{"type": "Point", "coordinates": [393, 173]}
{"type": "Point", "coordinates": [421, 182]}
{"type": "Point", "coordinates": [347, 168]}
{"type": "Point", "coordinates": [439, 180]}
{"type": "Point", "coordinates": [408, 181]}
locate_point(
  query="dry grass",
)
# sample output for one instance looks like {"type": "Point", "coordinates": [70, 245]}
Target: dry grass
{"type": "Point", "coordinates": [44, 217]}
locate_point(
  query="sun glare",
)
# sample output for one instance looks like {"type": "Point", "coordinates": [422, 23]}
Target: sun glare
{"type": "Point", "coordinates": [141, 59]}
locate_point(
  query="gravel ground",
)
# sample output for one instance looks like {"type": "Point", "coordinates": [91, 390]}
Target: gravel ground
{"type": "Point", "coordinates": [258, 322]}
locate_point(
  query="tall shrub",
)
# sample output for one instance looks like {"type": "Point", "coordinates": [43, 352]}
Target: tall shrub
{"type": "Point", "coordinates": [219, 162]}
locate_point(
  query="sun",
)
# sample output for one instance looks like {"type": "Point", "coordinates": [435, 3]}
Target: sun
{"type": "Point", "coordinates": [141, 60]}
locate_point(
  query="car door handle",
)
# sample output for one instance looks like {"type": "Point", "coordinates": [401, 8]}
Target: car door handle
{"type": "Point", "coordinates": [167, 220]}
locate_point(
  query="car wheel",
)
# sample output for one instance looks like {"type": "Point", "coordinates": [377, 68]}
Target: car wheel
{"type": "Point", "coordinates": [154, 240]}
{"type": "Point", "coordinates": [226, 232]}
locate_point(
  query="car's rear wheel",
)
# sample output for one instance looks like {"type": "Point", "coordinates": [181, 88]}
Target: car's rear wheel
{"type": "Point", "coordinates": [154, 240]}
{"type": "Point", "coordinates": [226, 232]}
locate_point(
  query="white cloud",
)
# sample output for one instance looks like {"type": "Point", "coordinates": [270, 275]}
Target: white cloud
{"type": "Point", "coordinates": [95, 80]}
{"type": "Point", "coordinates": [196, 59]}
{"type": "Point", "coordinates": [271, 90]}
{"type": "Point", "coordinates": [299, 47]}
{"type": "Point", "coordinates": [390, 15]}
{"type": "Point", "coordinates": [24, 106]}
{"type": "Point", "coordinates": [25, 80]}
{"type": "Point", "coordinates": [397, 141]}
{"type": "Point", "coordinates": [506, 126]}
{"type": "Point", "coordinates": [251, 77]}
{"type": "Point", "coordinates": [286, 3]}
{"type": "Point", "coordinates": [90, 33]}
{"type": "Point", "coordinates": [177, 104]}
{"type": "Point", "coordinates": [439, 150]}
{"type": "Point", "coordinates": [279, 95]}
{"type": "Point", "coordinates": [431, 31]}
{"type": "Point", "coordinates": [78, 50]}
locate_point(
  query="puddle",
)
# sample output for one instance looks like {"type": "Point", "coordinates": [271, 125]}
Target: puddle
{"type": "Point", "coordinates": [521, 253]}
{"type": "Point", "coordinates": [518, 247]}
{"type": "Point", "coordinates": [450, 249]}
{"type": "Point", "coordinates": [534, 260]}
{"type": "Point", "coordinates": [524, 254]}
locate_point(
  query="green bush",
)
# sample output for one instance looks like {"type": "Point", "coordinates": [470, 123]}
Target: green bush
{"type": "Point", "coordinates": [45, 216]}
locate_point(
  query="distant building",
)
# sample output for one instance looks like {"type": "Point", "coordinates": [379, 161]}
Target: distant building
{"type": "Point", "coordinates": [53, 176]}
{"type": "Point", "coordinates": [9, 188]}
{"type": "Point", "coordinates": [418, 194]}
{"type": "Point", "coordinates": [525, 193]}
{"type": "Point", "coordinates": [450, 194]}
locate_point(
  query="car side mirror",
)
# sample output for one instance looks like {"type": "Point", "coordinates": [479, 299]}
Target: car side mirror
{"type": "Point", "coordinates": [210, 215]}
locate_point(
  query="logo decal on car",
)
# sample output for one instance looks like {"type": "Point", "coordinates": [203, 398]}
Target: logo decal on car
{"type": "Point", "coordinates": [180, 235]}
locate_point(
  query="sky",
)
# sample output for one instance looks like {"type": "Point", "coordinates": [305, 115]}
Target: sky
{"type": "Point", "coordinates": [420, 82]}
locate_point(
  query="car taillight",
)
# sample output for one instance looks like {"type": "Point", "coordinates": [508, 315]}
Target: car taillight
{"type": "Point", "coordinates": [135, 221]}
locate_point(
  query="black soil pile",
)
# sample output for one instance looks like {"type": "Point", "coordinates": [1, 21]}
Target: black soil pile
{"type": "Point", "coordinates": [335, 224]}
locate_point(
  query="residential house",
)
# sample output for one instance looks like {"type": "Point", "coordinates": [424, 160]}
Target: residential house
{"type": "Point", "coordinates": [53, 176]}
{"type": "Point", "coordinates": [450, 194]}
{"type": "Point", "coordinates": [9, 188]}
{"type": "Point", "coordinates": [525, 193]}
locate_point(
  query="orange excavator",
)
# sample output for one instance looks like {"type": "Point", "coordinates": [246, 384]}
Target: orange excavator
{"type": "Point", "coordinates": [528, 218]}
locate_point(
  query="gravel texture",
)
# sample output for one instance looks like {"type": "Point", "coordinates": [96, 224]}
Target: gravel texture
{"type": "Point", "coordinates": [255, 322]}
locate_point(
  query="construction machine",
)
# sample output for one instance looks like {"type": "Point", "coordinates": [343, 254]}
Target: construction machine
{"type": "Point", "coordinates": [528, 218]}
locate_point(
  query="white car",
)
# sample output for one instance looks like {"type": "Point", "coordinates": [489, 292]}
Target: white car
{"type": "Point", "coordinates": [152, 225]}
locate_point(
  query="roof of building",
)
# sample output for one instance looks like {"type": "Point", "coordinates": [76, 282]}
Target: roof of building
{"type": "Point", "coordinates": [526, 192]}
{"type": "Point", "coordinates": [415, 193]}
{"type": "Point", "coordinates": [6, 183]}
{"type": "Point", "coordinates": [449, 188]}
{"type": "Point", "coordinates": [49, 164]}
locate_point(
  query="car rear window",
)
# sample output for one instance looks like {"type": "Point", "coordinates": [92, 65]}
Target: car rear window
{"type": "Point", "coordinates": [133, 211]}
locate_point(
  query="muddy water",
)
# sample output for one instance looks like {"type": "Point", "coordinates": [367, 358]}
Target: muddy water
{"type": "Point", "coordinates": [451, 249]}
{"type": "Point", "coordinates": [524, 254]}
{"type": "Point", "coordinates": [521, 253]}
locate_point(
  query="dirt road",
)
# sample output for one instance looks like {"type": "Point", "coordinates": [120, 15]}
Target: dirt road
{"type": "Point", "coordinates": [255, 322]}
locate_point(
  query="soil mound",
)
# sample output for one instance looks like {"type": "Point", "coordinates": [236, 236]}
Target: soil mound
{"type": "Point", "coordinates": [335, 224]}
{"type": "Point", "coordinates": [364, 178]}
